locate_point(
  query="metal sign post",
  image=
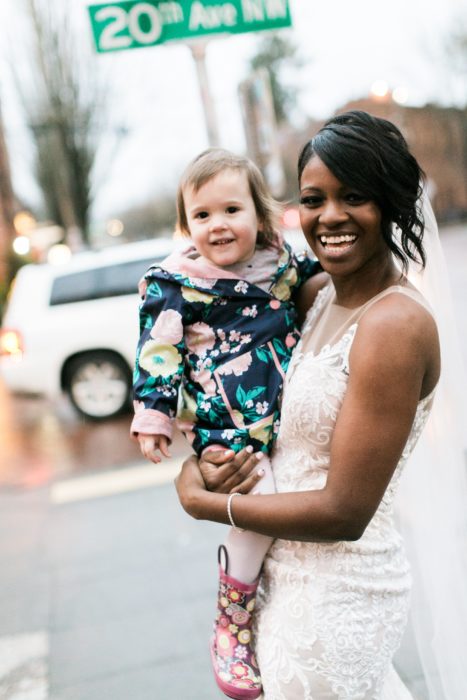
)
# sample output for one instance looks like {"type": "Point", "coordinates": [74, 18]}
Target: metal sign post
{"type": "Point", "coordinates": [259, 121]}
{"type": "Point", "coordinates": [198, 51]}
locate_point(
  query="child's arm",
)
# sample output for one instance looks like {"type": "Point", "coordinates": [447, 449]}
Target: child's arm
{"type": "Point", "coordinates": [149, 444]}
{"type": "Point", "coordinates": [307, 268]}
{"type": "Point", "coordinates": [159, 362]}
{"type": "Point", "coordinates": [306, 294]}
{"type": "Point", "coordinates": [311, 279]}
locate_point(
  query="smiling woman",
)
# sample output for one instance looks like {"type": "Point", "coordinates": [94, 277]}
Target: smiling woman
{"type": "Point", "coordinates": [383, 188]}
{"type": "Point", "coordinates": [341, 225]}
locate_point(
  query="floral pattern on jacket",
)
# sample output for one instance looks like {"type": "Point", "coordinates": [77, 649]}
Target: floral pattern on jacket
{"type": "Point", "coordinates": [214, 350]}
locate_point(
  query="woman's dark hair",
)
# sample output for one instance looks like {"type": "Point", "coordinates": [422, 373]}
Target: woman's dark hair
{"type": "Point", "coordinates": [371, 155]}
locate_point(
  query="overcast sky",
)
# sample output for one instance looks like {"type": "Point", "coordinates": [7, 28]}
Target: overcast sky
{"type": "Point", "coordinates": [346, 46]}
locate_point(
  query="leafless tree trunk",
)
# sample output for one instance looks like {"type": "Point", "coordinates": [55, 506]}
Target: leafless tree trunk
{"type": "Point", "coordinates": [64, 103]}
{"type": "Point", "coordinates": [6, 214]}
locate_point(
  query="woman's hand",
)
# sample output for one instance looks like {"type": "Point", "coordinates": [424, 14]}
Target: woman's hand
{"type": "Point", "coordinates": [190, 485]}
{"type": "Point", "coordinates": [225, 471]}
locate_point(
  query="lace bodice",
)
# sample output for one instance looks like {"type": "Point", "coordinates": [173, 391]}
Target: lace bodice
{"type": "Point", "coordinates": [315, 388]}
{"type": "Point", "coordinates": [331, 615]}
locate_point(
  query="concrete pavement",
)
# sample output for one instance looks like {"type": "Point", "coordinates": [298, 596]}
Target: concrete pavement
{"type": "Point", "coordinates": [107, 597]}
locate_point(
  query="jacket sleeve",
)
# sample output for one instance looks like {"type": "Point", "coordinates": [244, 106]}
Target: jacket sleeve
{"type": "Point", "coordinates": [306, 267]}
{"type": "Point", "coordinates": [160, 356]}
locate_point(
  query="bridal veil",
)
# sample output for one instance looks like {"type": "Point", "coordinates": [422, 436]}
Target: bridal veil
{"type": "Point", "coordinates": [432, 503]}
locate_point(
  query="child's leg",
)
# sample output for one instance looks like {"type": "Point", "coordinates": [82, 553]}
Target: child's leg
{"type": "Point", "coordinates": [247, 549]}
{"type": "Point", "coordinates": [243, 561]}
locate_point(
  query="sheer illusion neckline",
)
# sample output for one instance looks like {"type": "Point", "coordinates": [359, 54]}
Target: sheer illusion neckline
{"type": "Point", "coordinates": [336, 325]}
{"type": "Point", "coordinates": [401, 288]}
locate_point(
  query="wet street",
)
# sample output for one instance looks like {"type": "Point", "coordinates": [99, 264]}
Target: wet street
{"type": "Point", "coordinates": [42, 442]}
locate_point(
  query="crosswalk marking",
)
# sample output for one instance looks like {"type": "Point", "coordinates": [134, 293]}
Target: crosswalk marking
{"type": "Point", "coordinates": [133, 478]}
{"type": "Point", "coordinates": [23, 666]}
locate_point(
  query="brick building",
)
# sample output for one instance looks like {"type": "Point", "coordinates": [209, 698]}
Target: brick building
{"type": "Point", "coordinates": [437, 136]}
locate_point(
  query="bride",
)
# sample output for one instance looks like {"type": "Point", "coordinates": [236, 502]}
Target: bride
{"type": "Point", "coordinates": [335, 589]}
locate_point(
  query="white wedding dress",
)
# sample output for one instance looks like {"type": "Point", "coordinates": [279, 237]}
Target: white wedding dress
{"type": "Point", "coordinates": [331, 616]}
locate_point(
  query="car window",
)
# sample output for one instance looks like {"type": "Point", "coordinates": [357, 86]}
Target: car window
{"type": "Point", "coordinates": [109, 281]}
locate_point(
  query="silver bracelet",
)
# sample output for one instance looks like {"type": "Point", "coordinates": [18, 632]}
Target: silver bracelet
{"type": "Point", "coordinates": [229, 511]}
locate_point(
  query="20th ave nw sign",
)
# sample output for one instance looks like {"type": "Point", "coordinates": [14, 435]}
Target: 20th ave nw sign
{"type": "Point", "coordinates": [132, 24]}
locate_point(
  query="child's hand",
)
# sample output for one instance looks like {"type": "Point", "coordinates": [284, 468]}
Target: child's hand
{"type": "Point", "coordinates": [150, 443]}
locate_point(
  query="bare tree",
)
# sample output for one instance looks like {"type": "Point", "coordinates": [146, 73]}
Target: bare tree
{"type": "Point", "coordinates": [64, 102]}
{"type": "Point", "coordinates": [7, 231]}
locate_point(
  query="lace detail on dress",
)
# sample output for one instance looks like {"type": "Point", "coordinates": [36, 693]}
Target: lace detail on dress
{"type": "Point", "coordinates": [309, 416]}
{"type": "Point", "coordinates": [314, 311]}
{"type": "Point", "coordinates": [330, 616]}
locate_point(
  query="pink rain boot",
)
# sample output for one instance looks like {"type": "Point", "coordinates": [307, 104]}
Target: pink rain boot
{"type": "Point", "coordinates": [233, 659]}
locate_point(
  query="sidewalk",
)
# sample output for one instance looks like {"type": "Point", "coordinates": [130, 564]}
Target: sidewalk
{"type": "Point", "coordinates": [109, 597]}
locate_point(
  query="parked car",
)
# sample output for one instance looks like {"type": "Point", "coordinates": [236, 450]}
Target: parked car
{"type": "Point", "coordinates": [74, 327]}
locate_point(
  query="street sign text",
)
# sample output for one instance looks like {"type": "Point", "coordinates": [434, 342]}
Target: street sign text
{"type": "Point", "coordinates": [132, 24]}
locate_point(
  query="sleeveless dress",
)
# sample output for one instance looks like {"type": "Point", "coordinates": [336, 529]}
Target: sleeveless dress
{"type": "Point", "coordinates": [331, 615]}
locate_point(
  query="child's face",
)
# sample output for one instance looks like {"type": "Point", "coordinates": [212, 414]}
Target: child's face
{"type": "Point", "coordinates": [222, 218]}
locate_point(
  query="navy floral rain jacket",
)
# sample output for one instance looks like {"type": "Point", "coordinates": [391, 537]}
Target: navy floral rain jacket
{"type": "Point", "coordinates": [224, 342]}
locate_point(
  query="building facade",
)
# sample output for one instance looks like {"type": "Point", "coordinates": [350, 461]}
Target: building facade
{"type": "Point", "coordinates": [437, 136]}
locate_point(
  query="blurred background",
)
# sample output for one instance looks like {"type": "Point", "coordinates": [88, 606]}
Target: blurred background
{"type": "Point", "coordinates": [101, 108]}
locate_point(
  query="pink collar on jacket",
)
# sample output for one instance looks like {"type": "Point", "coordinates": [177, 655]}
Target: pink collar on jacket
{"type": "Point", "coordinates": [179, 261]}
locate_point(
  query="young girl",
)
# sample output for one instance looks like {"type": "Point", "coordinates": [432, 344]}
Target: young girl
{"type": "Point", "coordinates": [218, 321]}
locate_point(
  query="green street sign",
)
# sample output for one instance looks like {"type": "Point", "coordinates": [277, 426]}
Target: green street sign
{"type": "Point", "coordinates": [131, 24]}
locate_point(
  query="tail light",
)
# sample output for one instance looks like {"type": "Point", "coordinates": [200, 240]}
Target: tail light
{"type": "Point", "coordinates": [11, 342]}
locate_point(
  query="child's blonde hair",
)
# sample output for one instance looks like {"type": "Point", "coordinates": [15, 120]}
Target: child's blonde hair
{"type": "Point", "coordinates": [209, 164]}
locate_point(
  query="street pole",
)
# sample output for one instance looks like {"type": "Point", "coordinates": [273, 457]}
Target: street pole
{"type": "Point", "coordinates": [260, 125]}
{"type": "Point", "coordinates": [198, 51]}
{"type": "Point", "coordinates": [7, 231]}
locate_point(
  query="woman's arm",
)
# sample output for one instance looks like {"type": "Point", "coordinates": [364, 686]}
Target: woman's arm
{"type": "Point", "coordinates": [394, 351]}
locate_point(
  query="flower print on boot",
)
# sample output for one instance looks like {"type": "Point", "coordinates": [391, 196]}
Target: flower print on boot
{"type": "Point", "coordinates": [234, 662]}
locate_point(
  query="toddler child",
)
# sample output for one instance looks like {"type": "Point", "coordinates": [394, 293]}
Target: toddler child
{"type": "Point", "coordinates": [218, 324]}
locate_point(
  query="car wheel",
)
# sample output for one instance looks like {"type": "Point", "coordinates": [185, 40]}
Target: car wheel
{"type": "Point", "coordinates": [98, 385]}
